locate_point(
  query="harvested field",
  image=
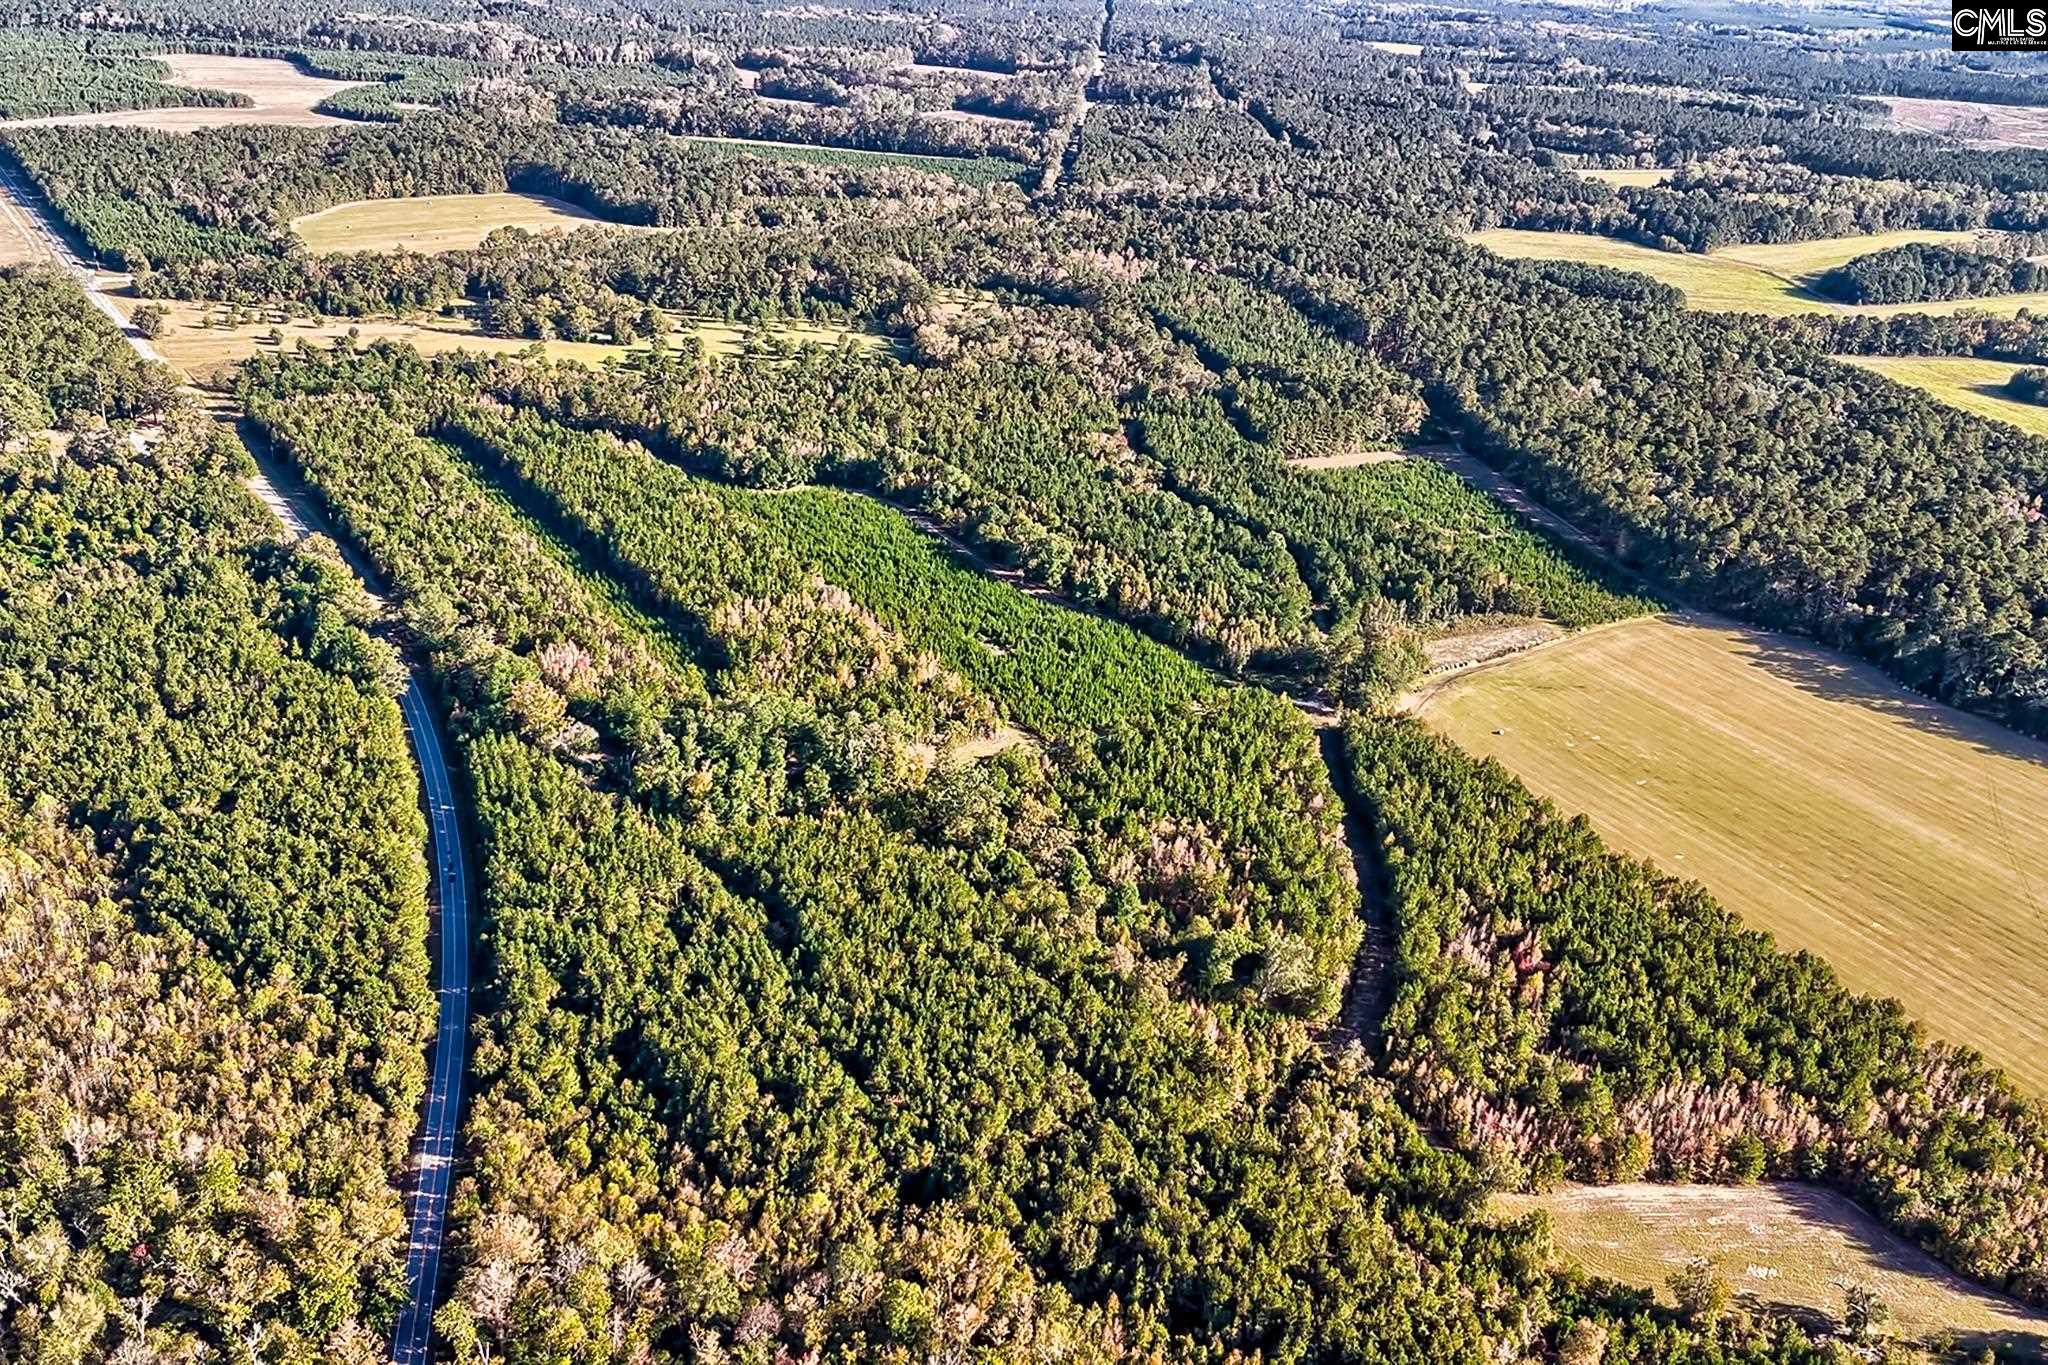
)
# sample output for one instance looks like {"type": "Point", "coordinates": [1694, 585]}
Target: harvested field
{"type": "Point", "coordinates": [1973, 385]}
{"type": "Point", "coordinates": [280, 92]}
{"type": "Point", "coordinates": [1707, 282]}
{"type": "Point", "coordinates": [1896, 838]}
{"type": "Point", "coordinates": [1788, 1246]}
{"type": "Point", "coordinates": [1773, 279]}
{"type": "Point", "coordinates": [1976, 125]}
{"type": "Point", "coordinates": [1802, 261]}
{"type": "Point", "coordinates": [435, 222]}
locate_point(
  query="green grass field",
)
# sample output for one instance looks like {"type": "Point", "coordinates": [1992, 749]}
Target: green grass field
{"type": "Point", "coordinates": [1774, 279]}
{"type": "Point", "coordinates": [1783, 1245]}
{"type": "Point", "coordinates": [1973, 385]}
{"type": "Point", "coordinates": [1896, 838]}
{"type": "Point", "coordinates": [435, 222]}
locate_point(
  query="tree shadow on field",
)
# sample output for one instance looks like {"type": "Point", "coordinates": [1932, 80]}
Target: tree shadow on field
{"type": "Point", "coordinates": [1836, 677]}
{"type": "Point", "coordinates": [1887, 1253]}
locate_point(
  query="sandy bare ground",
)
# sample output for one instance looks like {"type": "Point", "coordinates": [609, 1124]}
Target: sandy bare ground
{"type": "Point", "coordinates": [1482, 641]}
{"type": "Point", "coordinates": [1897, 838]}
{"type": "Point", "coordinates": [1977, 125]}
{"type": "Point", "coordinates": [281, 94]}
{"type": "Point", "coordinates": [1783, 1245]}
{"type": "Point", "coordinates": [1350, 459]}
{"type": "Point", "coordinates": [20, 243]}
{"type": "Point", "coordinates": [986, 120]}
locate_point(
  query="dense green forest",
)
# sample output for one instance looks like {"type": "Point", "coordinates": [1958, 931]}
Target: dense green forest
{"type": "Point", "coordinates": [215, 978]}
{"type": "Point", "coordinates": [1919, 272]}
{"type": "Point", "coordinates": [994, 924]}
{"type": "Point", "coordinates": [919, 916]}
{"type": "Point", "coordinates": [44, 74]}
{"type": "Point", "coordinates": [1322, 318]}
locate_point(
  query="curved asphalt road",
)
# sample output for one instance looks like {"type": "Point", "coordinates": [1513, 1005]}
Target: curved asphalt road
{"type": "Point", "coordinates": [413, 1341]}
{"type": "Point", "coordinates": [414, 1338]}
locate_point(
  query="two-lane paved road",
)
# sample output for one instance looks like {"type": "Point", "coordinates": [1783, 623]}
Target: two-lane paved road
{"type": "Point", "coordinates": [413, 1340]}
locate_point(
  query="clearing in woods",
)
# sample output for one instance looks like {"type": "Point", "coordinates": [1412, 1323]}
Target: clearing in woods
{"type": "Point", "coordinates": [1961, 381]}
{"type": "Point", "coordinates": [1896, 838]}
{"type": "Point", "coordinates": [1774, 279]}
{"type": "Point", "coordinates": [195, 340]}
{"type": "Point", "coordinates": [1786, 1245]}
{"type": "Point", "coordinates": [437, 222]}
{"type": "Point", "coordinates": [1638, 176]}
{"type": "Point", "coordinates": [279, 93]}
{"type": "Point", "coordinates": [20, 242]}
{"type": "Point", "coordinates": [1976, 125]}
{"type": "Point", "coordinates": [1350, 459]}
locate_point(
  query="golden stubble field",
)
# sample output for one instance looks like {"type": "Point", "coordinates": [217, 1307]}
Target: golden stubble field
{"type": "Point", "coordinates": [1639, 177]}
{"type": "Point", "coordinates": [1774, 279]}
{"type": "Point", "coordinates": [1965, 382]}
{"type": "Point", "coordinates": [1898, 839]}
{"type": "Point", "coordinates": [438, 222]}
{"type": "Point", "coordinates": [279, 92]}
{"type": "Point", "coordinates": [1778, 1245]}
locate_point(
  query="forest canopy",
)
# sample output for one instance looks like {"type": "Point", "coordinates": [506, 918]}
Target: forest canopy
{"type": "Point", "coordinates": [914, 595]}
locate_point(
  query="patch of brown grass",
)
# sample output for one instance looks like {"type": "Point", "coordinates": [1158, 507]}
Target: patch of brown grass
{"type": "Point", "coordinates": [1783, 1246]}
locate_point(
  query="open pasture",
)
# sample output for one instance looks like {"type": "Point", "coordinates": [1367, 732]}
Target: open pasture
{"type": "Point", "coordinates": [1799, 262]}
{"type": "Point", "coordinates": [435, 222]}
{"type": "Point", "coordinates": [1965, 382]}
{"type": "Point", "coordinates": [1786, 1245]}
{"type": "Point", "coordinates": [1896, 838]}
{"type": "Point", "coordinates": [1775, 278]}
{"type": "Point", "coordinates": [279, 93]}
